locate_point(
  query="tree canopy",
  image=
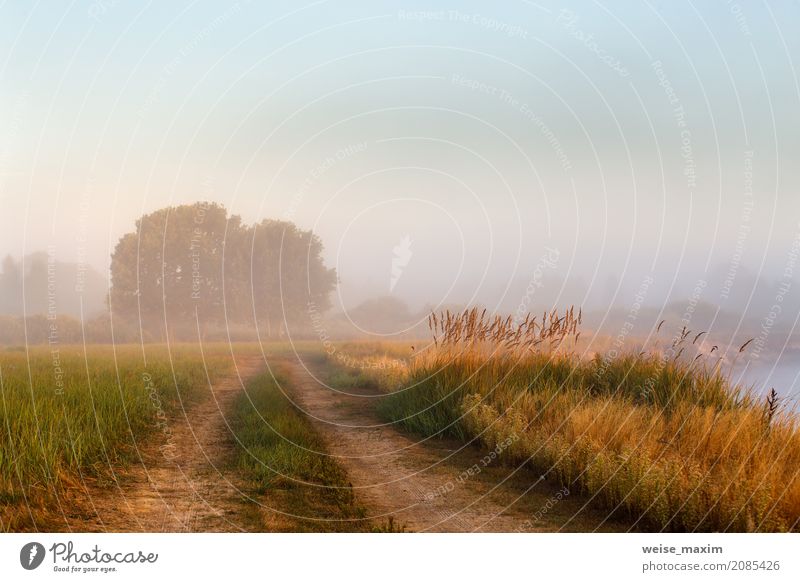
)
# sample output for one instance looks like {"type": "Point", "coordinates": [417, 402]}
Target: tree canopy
{"type": "Point", "coordinates": [194, 264]}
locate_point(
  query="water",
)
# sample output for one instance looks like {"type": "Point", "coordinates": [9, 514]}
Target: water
{"type": "Point", "coordinates": [783, 374]}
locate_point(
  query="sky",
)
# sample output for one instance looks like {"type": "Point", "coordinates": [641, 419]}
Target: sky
{"type": "Point", "coordinates": [443, 151]}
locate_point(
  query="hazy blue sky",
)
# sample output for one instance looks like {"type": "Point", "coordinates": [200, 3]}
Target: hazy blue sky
{"type": "Point", "coordinates": [636, 139]}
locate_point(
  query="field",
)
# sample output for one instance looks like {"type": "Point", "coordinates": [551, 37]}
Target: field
{"type": "Point", "coordinates": [658, 438]}
{"type": "Point", "coordinates": [306, 437]}
{"type": "Point", "coordinates": [70, 417]}
{"type": "Point", "coordinates": [178, 438]}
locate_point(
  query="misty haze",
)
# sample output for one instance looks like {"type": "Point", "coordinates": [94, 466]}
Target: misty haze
{"type": "Point", "coordinates": [363, 267]}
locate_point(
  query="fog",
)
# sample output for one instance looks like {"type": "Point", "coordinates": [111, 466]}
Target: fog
{"type": "Point", "coordinates": [457, 154]}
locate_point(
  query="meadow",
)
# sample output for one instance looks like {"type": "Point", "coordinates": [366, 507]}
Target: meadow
{"type": "Point", "coordinates": [658, 437]}
{"type": "Point", "coordinates": [73, 415]}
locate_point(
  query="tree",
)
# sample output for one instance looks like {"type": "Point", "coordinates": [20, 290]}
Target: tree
{"type": "Point", "coordinates": [37, 283]}
{"type": "Point", "coordinates": [383, 315]}
{"type": "Point", "coordinates": [11, 287]}
{"type": "Point", "coordinates": [194, 263]}
{"type": "Point", "coordinates": [287, 274]}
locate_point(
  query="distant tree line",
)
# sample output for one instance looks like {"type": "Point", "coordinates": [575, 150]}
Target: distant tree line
{"type": "Point", "coordinates": [43, 300]}
{"type": "Point", "coordinates": [64, 329]}
{"type": "Point", "coordinates": [41, 284]}
{"type": "Point", "coordinates": [183, 270]}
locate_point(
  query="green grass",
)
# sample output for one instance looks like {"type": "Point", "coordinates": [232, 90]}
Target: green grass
{"type": "Point", "coordinates": [282, 454]}
{"type": "Point", "coordinates": [76, 414]}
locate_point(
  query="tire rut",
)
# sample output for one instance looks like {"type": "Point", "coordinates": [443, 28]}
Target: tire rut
{"type": "Point", "coordinates": [425, 484]}
{"type": "Point", "coordinates": [192, 490]}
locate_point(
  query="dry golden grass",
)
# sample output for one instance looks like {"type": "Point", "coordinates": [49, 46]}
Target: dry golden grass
{"type": "Point", "coordinates": [666, 441]}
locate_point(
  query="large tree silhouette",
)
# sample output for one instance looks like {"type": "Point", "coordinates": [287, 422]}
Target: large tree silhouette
{"type": "Point", "coordinates": [195, 264]}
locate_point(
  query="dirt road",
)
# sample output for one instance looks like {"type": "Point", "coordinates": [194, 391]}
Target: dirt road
{"type": "Point", "coordinates": [424, 485]}
{"type": "Point", "coordinates": [192, 490]}
{"type": "Point", "coordinates": [427, 485]}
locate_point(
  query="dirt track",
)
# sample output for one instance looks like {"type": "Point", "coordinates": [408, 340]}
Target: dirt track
{"type": "Point", "coordinates": [194, 490]}
{"type": "Point", "coordinates": [423, 485]}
